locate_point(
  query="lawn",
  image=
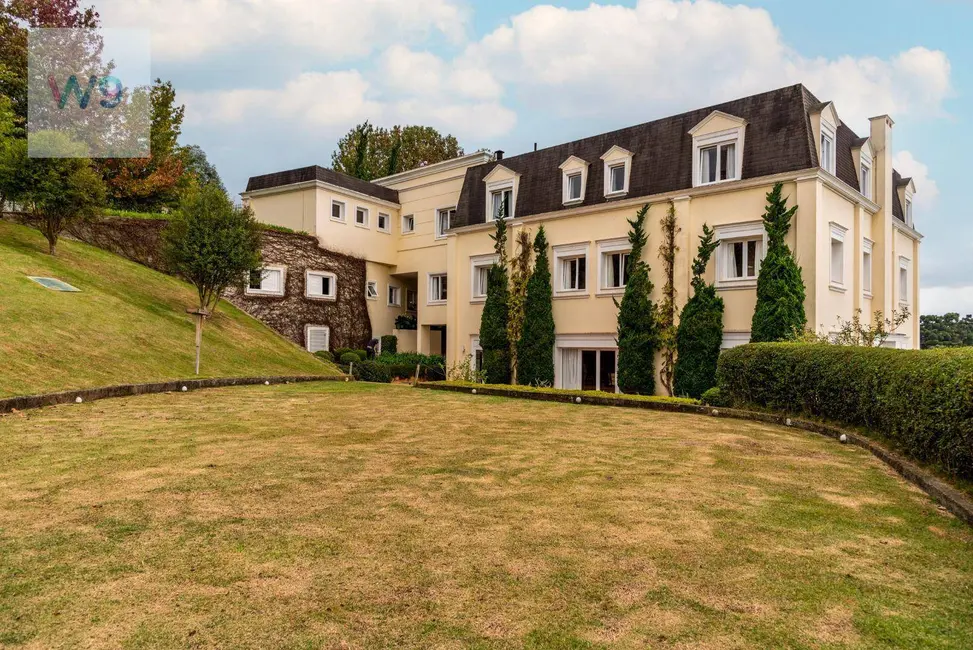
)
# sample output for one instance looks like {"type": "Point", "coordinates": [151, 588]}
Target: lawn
{"type": "Point", "coordinates": [368, 516]}
{"type": "Point", "coordinates": [127, 325]}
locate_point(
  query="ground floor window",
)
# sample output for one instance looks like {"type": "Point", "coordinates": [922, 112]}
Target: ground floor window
{"type": "Point", "coordinates": [589, 369]}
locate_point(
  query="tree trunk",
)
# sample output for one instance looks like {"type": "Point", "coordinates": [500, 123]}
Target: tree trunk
{"type": "Point", "coordinates": [199, 339]}
{"type": "Point", "coordinates": [52, 245]}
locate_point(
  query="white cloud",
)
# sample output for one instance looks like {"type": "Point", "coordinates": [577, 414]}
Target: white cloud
{"type": "Point", "coordinates": [184, 30]}
{"type": "Point", "coordinates": [927, 191]}
{"type": "Point", "coordinates": [942, 300]}
{"type": "Point", "coordinates": [661, 55]}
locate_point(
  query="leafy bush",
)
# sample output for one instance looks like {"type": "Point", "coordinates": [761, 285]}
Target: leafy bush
{"type": "Point", "coordinates": [340, 352]}
{"type": "Point", "coordinates": [390, 344]}
{"type": "Point", "coordinates": [406, 322]}
{"type": "Point", "coordinates": [412, 359]}
{"type": "Point", "coordinates": [349, 357]}
{"type": "Point", "coordinates": [920, 401]}
{"type": "Point", "coordinates": [699, 336]}
{"type": "Point", "coordinates": [372, 371]}
{"type": "Point", "coordinates": [362, 354]}
{"type": "Point", "coordinates": [714, 397]}
{"type": "Point", "coordinates": [324, 355]}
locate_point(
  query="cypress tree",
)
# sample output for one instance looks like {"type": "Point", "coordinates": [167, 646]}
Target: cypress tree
{"type": "Point", "coordinates": [535, 350]}
{"type": "Point", "coordinates": [780, 288]}
{"type": "Point", "coordinates": [637, 337]}
{"type": "Point", "coordinates": [493, 322]}
{"type": "Point", "coordinates": [519, 277]}
{"type": "Point", "coordinates": [700, 334]}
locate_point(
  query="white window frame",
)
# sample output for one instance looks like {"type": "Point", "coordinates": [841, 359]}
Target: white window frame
{"type": "Point", "coordinates": [613, 158]}
{"type": "Point", "coordinates": [907, 208]}
{"type": "Point", "coordinates": [838, 233]}
{"type": "Point", "coordinates": [606, 248]}
{"type": "Point", "coordinates": [360, 210]}
{"type": "Point", "coordinates": [478, 262]}
{"type": "Point", "coordinates": [729, 235]}
{"type": "Point", "coordinates": [828, 158]}
{"type": "Point", "coordinates": [307, 336]}
{"type": "Point", "coordinates": [865, 178]}
{"type": "Point", "coordinates": [573, 166]}
{"type": "Point", "coordinates": [388, 222]}
{"type": "Point", "coordinates": [282, 270]}
{"type": "Point", "coordinates": [308, 274]}
{"type": "Point", "coordinates": [501, 186]}
{"type": "Point", "coordinates": [565, 253]}
{"type": "Point", "coordinates": [450, 212]}
{"type": "Point", "coordinates": [371, 287]}
{"type": "Point", "coordinates": [734, 136]}
{"type": "Point", "coordinates": [867, 264]}
{"type": "Point", "coordinates": [407, 219]}
{"type": "Point", "coordinates": [398, 295]}
{"type": "Point", "coordinates": [904, 289]}
{"type": "Point", "coordinates": [339, 219]}
{"type": "Point", "coordinates": [429, 297]}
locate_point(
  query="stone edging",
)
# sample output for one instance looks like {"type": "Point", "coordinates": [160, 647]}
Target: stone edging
{"type": "Point", "coordinates": [90, 394]}
{"type": "Point", "coordinates": [949, 497]}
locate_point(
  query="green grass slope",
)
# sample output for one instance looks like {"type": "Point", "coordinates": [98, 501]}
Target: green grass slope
{"type": "Point", "coordinates": [127, 325]}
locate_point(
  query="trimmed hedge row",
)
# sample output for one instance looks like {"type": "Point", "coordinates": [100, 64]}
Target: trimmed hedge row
{"type": "Point", "coordinates": [920, 400]}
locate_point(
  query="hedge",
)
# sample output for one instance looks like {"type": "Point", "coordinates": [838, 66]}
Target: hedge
{"type": "Point", "coordinates": [921, 401]}
{"type": "Point", "coordinates": [390, 344]}
{"type": "Point", "coordinates": [372, 371]}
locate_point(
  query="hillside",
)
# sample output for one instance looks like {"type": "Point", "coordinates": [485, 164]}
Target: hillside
{"type": "Point", "coordinates": [127, 325]}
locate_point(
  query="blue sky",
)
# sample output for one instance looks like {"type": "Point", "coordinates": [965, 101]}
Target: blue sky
{"type": "Point", "coordinates": [272, 85]}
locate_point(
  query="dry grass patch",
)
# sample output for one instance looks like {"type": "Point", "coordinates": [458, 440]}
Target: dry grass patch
{"type": "Point", "coordinates": [353, 515]}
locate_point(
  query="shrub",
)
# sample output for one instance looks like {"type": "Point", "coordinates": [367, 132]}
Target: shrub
{"type": "Point", "coordinates": [406, 322]}
{"type": "Point", "coordinates": [349, 357]}
{"type": "Point", "coordinates": [699, 336]}
{"type": "Point", "coordinates": [390, 344]}
{"type": "Point", "coordinates": [412, 359]}
{"type": "Point", "coordinates": [714, 397]}
{"type": "Point", "coordinates": [535, 350]}
{"type": "Point", "coordinates": [324, 355]}
{"type": "Point", "coordinates": [340, 352]}
{"type": "Point", "coordinates": [780, 288]}
{"type": "Point", "coordinates": [920, 401]}
{"type": "Point", "coordinates": [637, 335]}
{"type": "Point", "coordinates": [362, 354]}
{"type": "Point", "coordinates": [372, 371]}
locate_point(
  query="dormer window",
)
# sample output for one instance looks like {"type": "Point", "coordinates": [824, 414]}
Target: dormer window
{"type": "Point", "coordinates": [908, 211]}
{"type": "Point", "coordinates": [718, 149]}
{"type": "Point", "coordinates": [827, 147]}
{"type": "Point", "coordinates": [618, 171]}
{"type": "Point", "coordinates": [501, 193]}
{"type": "Point", "coordinates": [866, 180]}
{"type": "Point", "coordinates": [574, 180]}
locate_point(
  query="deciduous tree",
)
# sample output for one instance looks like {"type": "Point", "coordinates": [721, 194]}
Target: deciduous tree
{"type": "Point", "coordinates": [367, 152]}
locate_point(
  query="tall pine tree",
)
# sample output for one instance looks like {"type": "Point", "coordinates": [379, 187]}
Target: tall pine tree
{"type": "Point", "coordinates": [637, 336]}
{"type": "Point", "coordinates": [700, 334]}
{"type": "Point", "coordinates": [535, 350]}
{"type": "Point", "coordinates": [780, 288]}
{"type": "Point", "coordinates": [493, 323]}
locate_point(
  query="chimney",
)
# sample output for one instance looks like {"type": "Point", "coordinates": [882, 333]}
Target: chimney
{"type": "Point", "coordinates": [535, 146]}
{"type": "Point", "coordinates": [881, 140]}
{"type": "Point", "coordinates": [498, 154]}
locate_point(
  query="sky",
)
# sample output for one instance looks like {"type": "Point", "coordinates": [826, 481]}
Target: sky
{"type": "Point", "coordinates": [271, 85]}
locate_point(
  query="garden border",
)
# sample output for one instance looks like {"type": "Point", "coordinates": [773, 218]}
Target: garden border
{"type": "Point", "coordinates": [947, 496]}
{"type": "Point", "coordinates": [10, 404]}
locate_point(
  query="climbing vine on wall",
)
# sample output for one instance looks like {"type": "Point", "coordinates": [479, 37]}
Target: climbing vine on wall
{"type": "Point", "coordinates": [667, 306]}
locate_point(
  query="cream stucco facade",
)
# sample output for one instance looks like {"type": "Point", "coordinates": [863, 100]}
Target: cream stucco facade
{"type": "Point", "coordinates": [853, 252]}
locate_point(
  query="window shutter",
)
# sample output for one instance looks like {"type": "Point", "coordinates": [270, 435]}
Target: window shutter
{"type": "Point", "coordinates": [317, 338]}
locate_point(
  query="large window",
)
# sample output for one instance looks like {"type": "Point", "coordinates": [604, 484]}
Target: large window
{"type": "Point", "coordinates": [320, 284]}
{"type": "Point", "coordinates": [742, 249]}
{"type": "Point", "coordinates": [718, 163]}
{"type": "Point", "coordinates": [837, 257]}
{"type": "Point", "coordinates": [437, 288]}
{"type": "Point", "coordinates": [337, 210]}
{"type": "Point", "coordinates": [501, 202]}
{"type": "Point", "coordinates": [268, 281]}
{"type": "Point", "coordinates": [867, 268]}
{"type": "Point", "coordinates": [444, 218]}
